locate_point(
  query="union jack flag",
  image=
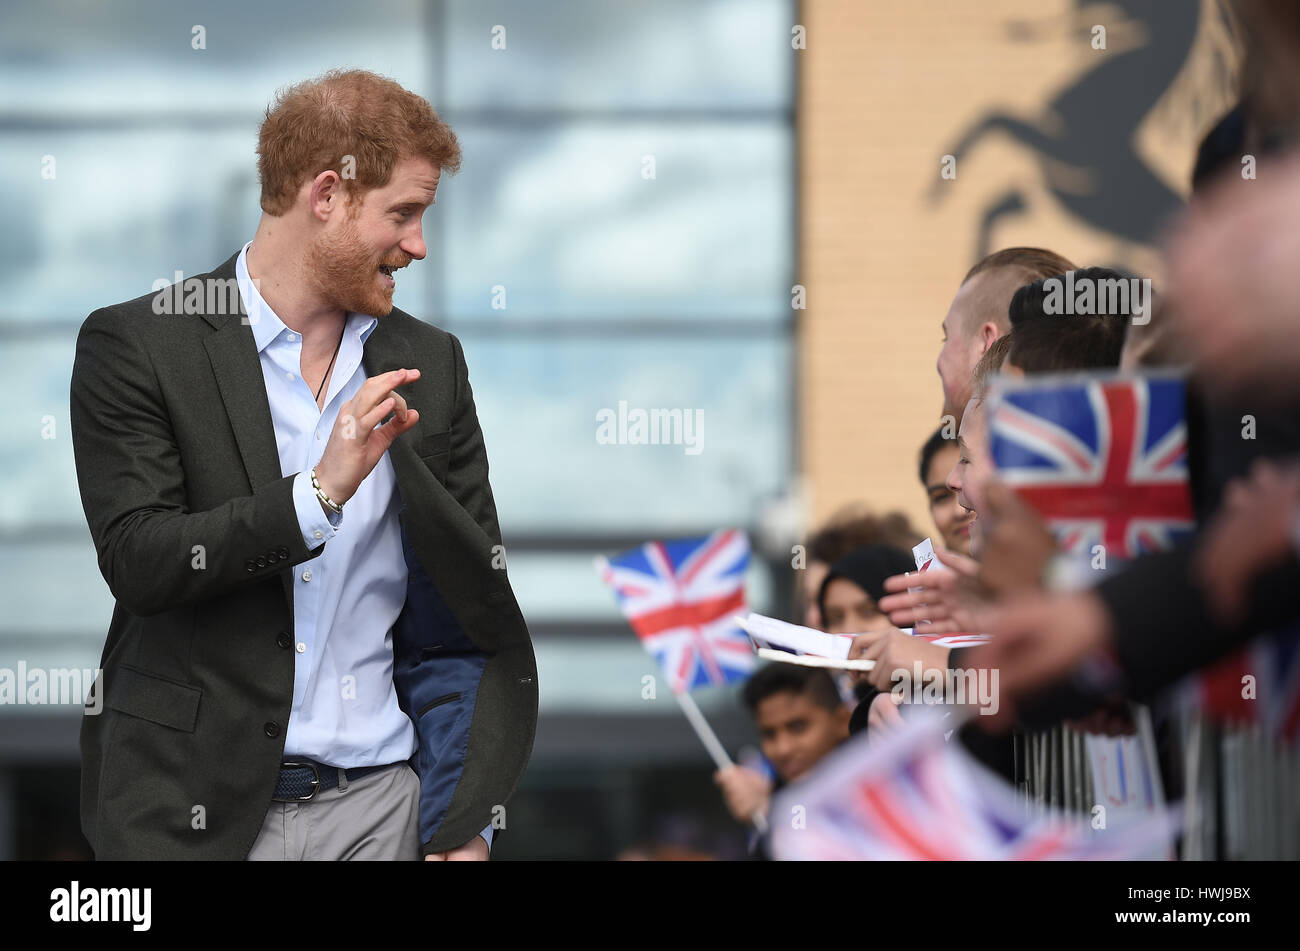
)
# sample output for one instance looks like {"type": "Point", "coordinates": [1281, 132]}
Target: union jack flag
{"type": "Point", "coordinates": [1102, 458]}
{"type": "Point", "coordinates": [911, 795]}
{"type": "Point", "coordinates": [681, 597]}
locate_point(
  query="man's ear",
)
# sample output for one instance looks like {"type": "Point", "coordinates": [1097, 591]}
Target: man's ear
{"type": "Point", "coordinates": [326, 194]}
{"type": "Point", "coordinates": [988, 333]}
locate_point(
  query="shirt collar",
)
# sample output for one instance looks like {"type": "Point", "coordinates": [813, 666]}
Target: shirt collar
{"type": "Point", "coordinates": [267, 325]}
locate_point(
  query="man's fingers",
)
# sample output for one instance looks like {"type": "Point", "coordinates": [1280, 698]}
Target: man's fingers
{"type": "Point", "coordinates": [371, 419]}
{"type": "Point", "coordinates": [399, 405]}
{"type": "Point", "coordinates": [863, 642]}
{"type": "Point", "coordinates": [945, 626]}
{"type": "Point", "coordinates": [901, 582]}
{"type": "Point", "coordinates": [378, 388]}
{"type": "Point", "coordinates": [899, 602]}
{"type": "Point", "coordinates": [388, 432]}
{"type": "Point", "coordinates": [962, 564]}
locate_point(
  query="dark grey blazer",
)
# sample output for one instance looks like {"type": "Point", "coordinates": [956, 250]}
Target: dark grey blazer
{"type": "Point", "coordinates": [175, 449]}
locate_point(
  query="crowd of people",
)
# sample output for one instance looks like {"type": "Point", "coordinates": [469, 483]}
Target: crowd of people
{"type": "Point", "coordinates": [1072, 644]}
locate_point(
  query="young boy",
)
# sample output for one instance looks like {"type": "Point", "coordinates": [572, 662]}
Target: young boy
{"type": "Point", "coordinates": [800, 719]}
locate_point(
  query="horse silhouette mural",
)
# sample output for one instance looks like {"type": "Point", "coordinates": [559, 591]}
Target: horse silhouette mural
{"type": "Point", "coordinates": [1085, 137]}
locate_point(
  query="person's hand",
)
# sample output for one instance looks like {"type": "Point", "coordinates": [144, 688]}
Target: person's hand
{"type": "Point", "coordinates": [475, 850]}
{"type": "Point", "coordinates": [882, 716]}
{"type": "Point", "coordinates": [1252, 531]}
{"type": "Point", "coordinates": [1038, 639]}
{"type": "Point", "coordinates": [943, 602]}
{"type": "Point", "coordinates": [892, 650]}
{"type": "Point", "coordinates": [357, 441]}
{"type": "Point", "coordinates": [1234, 288]}
{"type": "Point", "coordinates": [744, 791]}
{"type": "Point", "coordinates": [1017, 543]}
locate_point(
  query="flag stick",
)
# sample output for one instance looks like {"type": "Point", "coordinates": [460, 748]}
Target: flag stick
{"type": "Point", "coordinates": [712, 744]}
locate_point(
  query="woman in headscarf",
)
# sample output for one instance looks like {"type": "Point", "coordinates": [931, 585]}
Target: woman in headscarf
{"type": "Point", "coordinates": [849, 600]}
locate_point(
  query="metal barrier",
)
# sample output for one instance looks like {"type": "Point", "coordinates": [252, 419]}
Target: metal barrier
{"type": "Point", "coordinates": [1240, 786]}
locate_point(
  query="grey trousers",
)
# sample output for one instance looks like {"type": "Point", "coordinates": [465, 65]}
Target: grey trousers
{"type": "Point", "coordinates": [376, 817]}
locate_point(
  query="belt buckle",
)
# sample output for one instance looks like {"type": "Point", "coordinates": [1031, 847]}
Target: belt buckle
{"type": "Point", "coordinates": [315, 783]}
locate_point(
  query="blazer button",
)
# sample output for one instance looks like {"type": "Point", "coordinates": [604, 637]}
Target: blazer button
{"type": "Point", "coordinates": [250, 565]}
{"type": "Point", "coordinates": [261, 561]}
{"type": "Point", "coordinates": [272, 729]}
{"type": "Point", "coordinates": [284, 552]}
{"type": "Point", "coordinates": [284, 640]}
{"type": "Point", "coordinates": [272, 557]}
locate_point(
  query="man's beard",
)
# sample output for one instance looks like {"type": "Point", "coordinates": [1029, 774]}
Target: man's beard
{"type": "Point", "coordinates": [346, 275]}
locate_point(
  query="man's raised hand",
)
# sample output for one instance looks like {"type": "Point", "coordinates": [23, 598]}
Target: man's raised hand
{"type": "Point", "coordinates": [357, 441]}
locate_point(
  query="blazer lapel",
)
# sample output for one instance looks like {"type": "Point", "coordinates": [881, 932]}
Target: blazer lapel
{"type": "Point", "coordinates": [386, 350]}
{"type": "Point", "coordinates": [238, 370]}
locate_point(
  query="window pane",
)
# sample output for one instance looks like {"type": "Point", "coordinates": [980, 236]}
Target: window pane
{"type": "Point", "coordinates": [39, 481]}
{"type": "Point", "coordinates": [538, 402]}
{"type": "Point", "coordinates": [563, 220]}
{"type": "Point", "coordinates": [127, 208]}
{"type": "Point", "coordinates": [595, 54]}
{"type": "Point", "coordinates": [101, 60]}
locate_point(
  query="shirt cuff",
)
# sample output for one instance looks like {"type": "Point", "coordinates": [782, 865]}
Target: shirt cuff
{"type": "Point", "coordinates": [316, 527]}
{"type": "Point", "coordinates": [487, 836]}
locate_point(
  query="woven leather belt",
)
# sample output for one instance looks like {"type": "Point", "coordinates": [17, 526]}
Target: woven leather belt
{"type": "Point", "coordinates": [301, 780]}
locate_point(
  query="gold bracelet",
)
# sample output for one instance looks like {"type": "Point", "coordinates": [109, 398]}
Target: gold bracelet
{"type": "Point", "coordinates": [336, 507]}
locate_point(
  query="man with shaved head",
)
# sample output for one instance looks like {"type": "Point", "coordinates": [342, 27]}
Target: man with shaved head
{"type": "Point", "coordinates": [978, 314]}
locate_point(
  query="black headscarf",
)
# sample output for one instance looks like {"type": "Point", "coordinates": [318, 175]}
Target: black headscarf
{"type": "Point", "coordinates": [867, 567]}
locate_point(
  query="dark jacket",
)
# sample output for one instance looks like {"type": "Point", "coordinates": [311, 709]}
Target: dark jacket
{"type": "Point", "coordinates": [175, 448]}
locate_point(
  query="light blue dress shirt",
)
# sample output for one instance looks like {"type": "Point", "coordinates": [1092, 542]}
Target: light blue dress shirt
{"type": "Point", "coordinates": [345, 599]}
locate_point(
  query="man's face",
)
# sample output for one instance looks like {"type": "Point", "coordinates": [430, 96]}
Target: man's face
{"type": "Point", "coordinates": [950, 519]}
{"type": "Point", "coordinates": [970, 476]}
{"type": "Point", "coordinates": [974, 320]}
{"type": "Point", "coordinates": [962, 345]}
{"type": "Point", "coordinates": [381, 229]}
{"type": "Point", "coordinates": [795, 733]}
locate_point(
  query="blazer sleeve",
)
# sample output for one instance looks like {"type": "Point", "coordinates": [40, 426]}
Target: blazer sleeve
{"type": "Point", "coordinates": [467, 470]}
{"type": "Point", "coordinates": [154, 553]}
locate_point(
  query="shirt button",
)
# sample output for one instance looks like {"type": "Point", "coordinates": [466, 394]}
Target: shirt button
{"type": "Point", "coordinates": [288, 375]}
{"type": "Point", "coordinates": [302, 648]}
{"type": "Point", "coordinates": [306, 575]}
{"type": "Point", "coordinates": [319, 533]}
{"type": "Point", "coordinates": [291, 336]}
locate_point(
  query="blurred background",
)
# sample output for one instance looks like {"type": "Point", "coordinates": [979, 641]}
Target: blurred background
{"type": "Point", "coordinates": [732, 206]}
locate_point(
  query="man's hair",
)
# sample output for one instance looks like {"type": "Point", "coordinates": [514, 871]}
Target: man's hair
{"type": "Point", "coordinates": [933, 446]}
{"type": "Point", "coordinates": [1035, 263]}
{"type": "Point", "coordinates": [812, 682]}
{"type": "Point", "coordinates": [852, 527]}
{"type": "Point", "coordinates": [1015, 266]}
{"type": "Point", "coordinates": [1046, 343]}
{"type": "Point", "coordinates": [988, 365]}
{"type": "Point", "coordinates": [355, 122]}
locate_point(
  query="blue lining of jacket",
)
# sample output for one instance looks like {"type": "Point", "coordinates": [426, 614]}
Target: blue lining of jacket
{"type": "Point", "coordinates": [433, 661]}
